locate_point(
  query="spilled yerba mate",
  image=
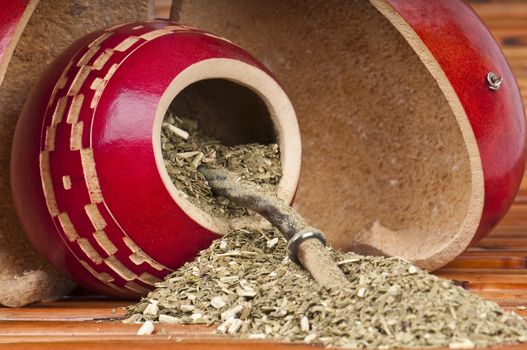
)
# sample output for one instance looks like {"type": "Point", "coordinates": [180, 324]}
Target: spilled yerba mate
{"type": "Point", "coordinates": [245, 285]}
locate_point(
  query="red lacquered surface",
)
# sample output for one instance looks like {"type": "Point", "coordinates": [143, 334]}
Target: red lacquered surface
{"type": "Point", "coordinates": [14, 15]}
{"type": "Point", "coordinates": [466, 52]}
{"type": "Point", "coordinates": [85, 181]}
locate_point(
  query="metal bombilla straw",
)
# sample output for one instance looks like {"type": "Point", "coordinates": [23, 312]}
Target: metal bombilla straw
{"type": "Point", "coordinates": [306, 245]}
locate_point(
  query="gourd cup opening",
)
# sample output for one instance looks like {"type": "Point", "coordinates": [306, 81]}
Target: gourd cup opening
{"type": "Point", "coordinates": [238, 104]}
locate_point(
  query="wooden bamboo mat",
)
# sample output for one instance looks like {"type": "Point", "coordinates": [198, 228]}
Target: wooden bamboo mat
{"type": "Point", "coordinates": [495, 269]}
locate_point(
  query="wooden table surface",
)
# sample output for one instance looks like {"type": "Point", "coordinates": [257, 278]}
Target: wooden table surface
{"type": "Point", "coordinates": [495, 269]}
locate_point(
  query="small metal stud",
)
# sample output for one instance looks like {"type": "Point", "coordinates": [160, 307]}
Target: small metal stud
{"type": "Point", "coordinates": [494, 81]}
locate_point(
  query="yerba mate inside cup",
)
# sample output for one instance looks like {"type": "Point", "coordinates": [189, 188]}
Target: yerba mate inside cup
{"type": "Point", "coordinates": [235, 104]}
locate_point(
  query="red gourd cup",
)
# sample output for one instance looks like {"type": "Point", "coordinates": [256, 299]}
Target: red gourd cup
{"type": "Point", "coordinates": [89, 181]}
